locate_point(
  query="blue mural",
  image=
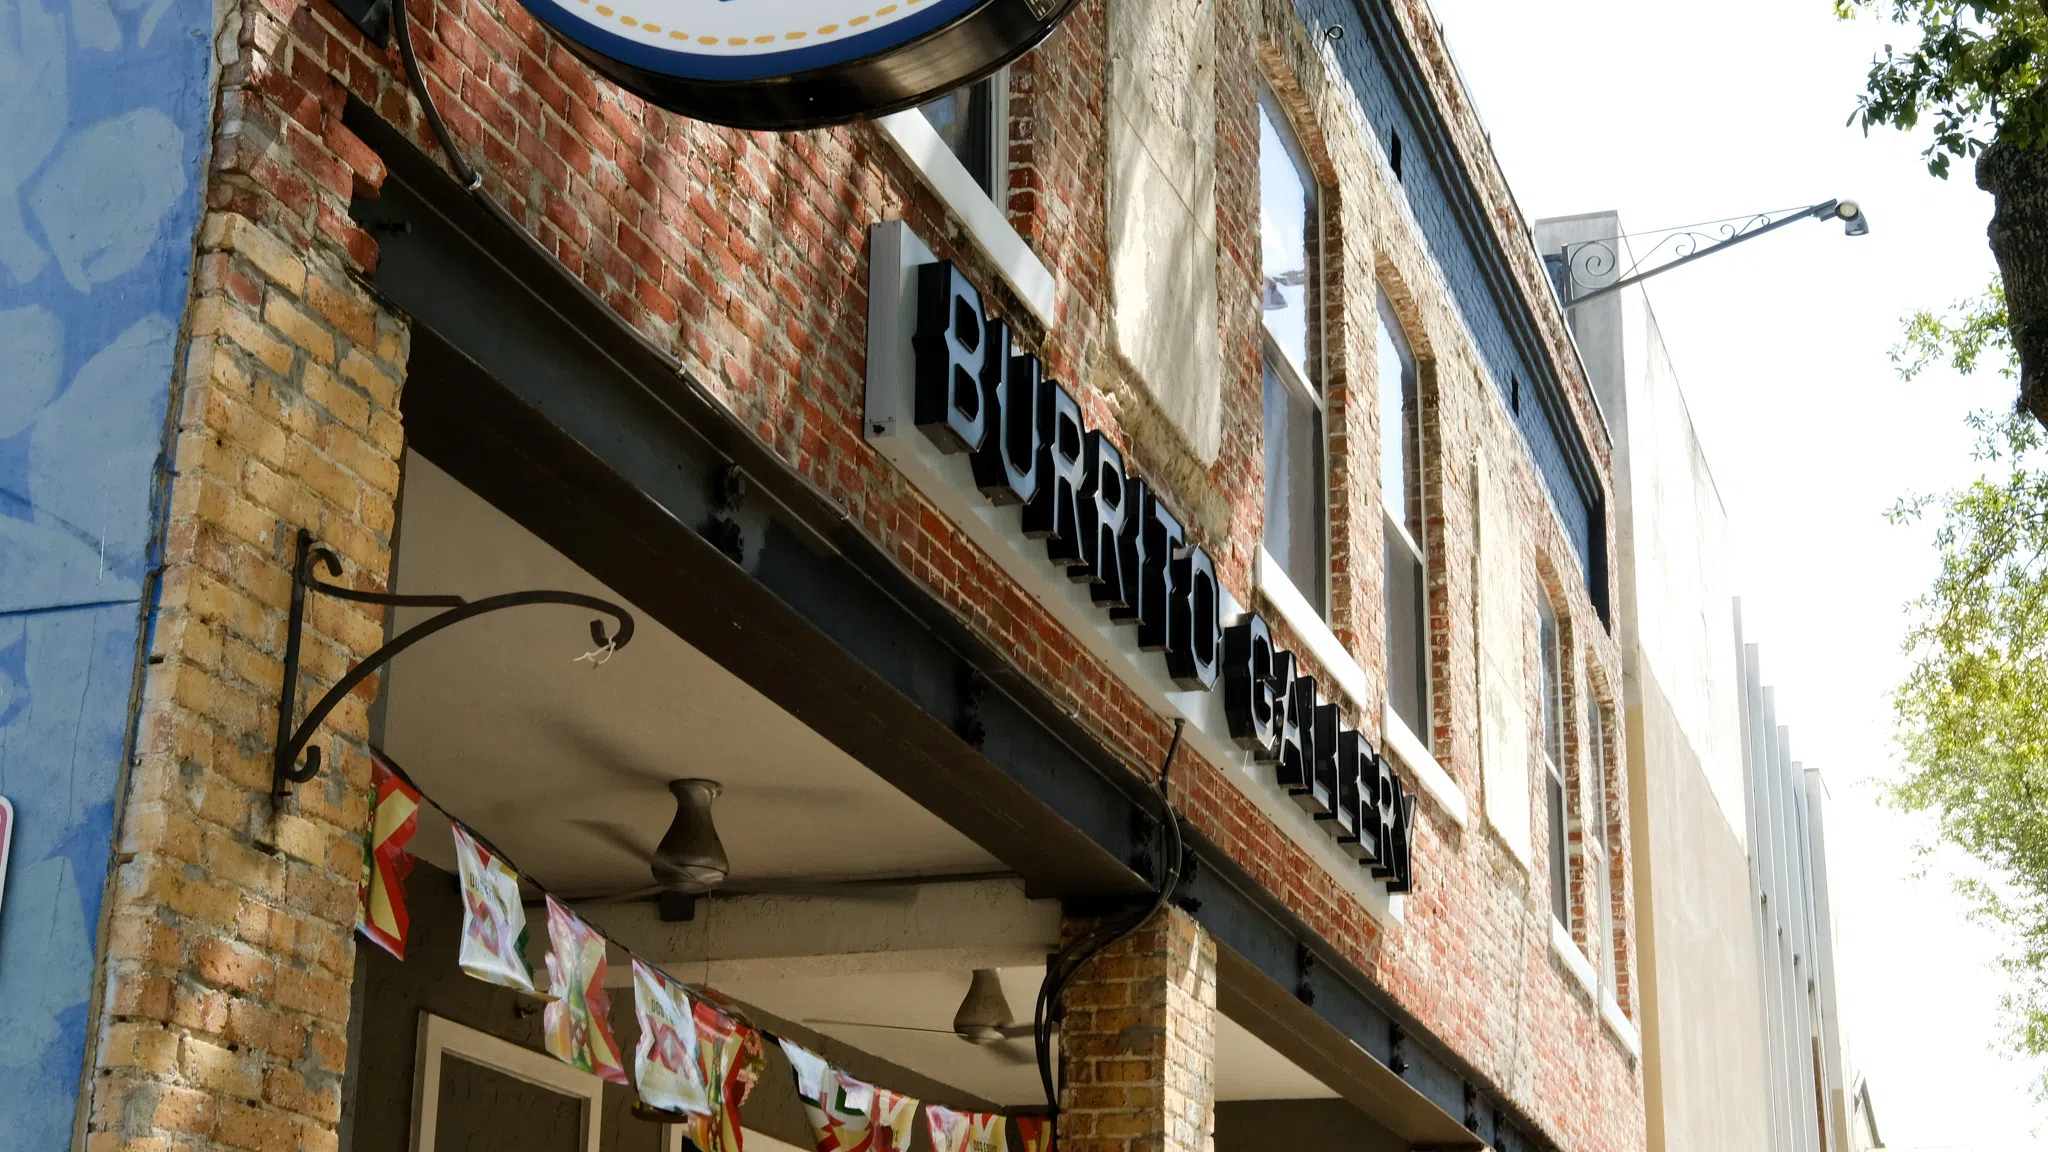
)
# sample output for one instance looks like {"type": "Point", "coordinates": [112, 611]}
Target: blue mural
{"type": "Point", "coordinates": [103, 123]}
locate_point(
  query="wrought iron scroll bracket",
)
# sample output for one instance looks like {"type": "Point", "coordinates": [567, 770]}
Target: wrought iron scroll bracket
{"type": "Point", "coordinates": [293, 739]}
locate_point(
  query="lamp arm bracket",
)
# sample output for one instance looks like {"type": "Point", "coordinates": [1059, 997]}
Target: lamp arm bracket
{"type": "Point", "coordinates": [310, 557]}
{"type": "Point", "coordinates": [1686, 245]}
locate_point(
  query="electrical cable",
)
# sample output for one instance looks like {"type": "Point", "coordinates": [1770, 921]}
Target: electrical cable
{"type": "Point", "coordinates": [1068, 962]}
{"type": "Point", "coordinates": [472, 182]}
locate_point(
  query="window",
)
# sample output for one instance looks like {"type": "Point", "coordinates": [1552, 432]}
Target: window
{"type": "Point", "coordinates": [1401, 500]}
{"type": "Point", "coordinates": [1600, 918]}
{"type": "Point", "coordinates": [970, 121]}
{"type": "Point", "coordinates": [1290, 236]}
{"type": "Point", "coordinates": [1550, 670]}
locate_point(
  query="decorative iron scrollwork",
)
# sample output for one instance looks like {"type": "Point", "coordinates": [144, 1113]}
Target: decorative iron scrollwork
{"type": "Point", "coordinates": [293, 740]}
{"type": "Point", "coordinates": [1595, 264]}
{"type": "Point", "coordinates": [1594, 267]}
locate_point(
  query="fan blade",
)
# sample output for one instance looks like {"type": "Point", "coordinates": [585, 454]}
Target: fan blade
{"type": "Point", "coordinates": [867, 1024]}
{"type": "Point", "coordinates": [835, 889]}
{"type": "Point", "coordinates": [1016, 1031]}
{"type": "Point", "coordinates": [628, 896]}
{"type": "Point", "coordinates": [1013, 1054]}
{"type": "Point", "coordinates": [886, 888]}
{"type": "Point", "coordinates": [616, 835]}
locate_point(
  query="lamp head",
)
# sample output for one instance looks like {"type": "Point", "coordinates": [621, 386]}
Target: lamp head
{"type": "Point", "coordinates": [1854, 222]}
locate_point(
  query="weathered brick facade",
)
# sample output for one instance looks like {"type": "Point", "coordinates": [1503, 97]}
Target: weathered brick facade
{"type": "Point", "coordinates": [231, 944]}
{"type": "Point", "coordinates": [224, 1022]}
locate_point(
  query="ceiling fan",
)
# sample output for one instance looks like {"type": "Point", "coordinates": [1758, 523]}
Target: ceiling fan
{"type": "Point", "coordinates": [690, 864]}
{"type": "Point", "coordinates": [983, 1020]}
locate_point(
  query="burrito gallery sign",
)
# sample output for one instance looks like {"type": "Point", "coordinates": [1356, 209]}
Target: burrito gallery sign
{"type": "Point", "coordinates": [1065, 488]}
{"type": "Point", "coordinates": [788, 64]}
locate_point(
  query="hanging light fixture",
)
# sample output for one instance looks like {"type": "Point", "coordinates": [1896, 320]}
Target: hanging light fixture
{"type": "Point", "coordinates": [690, 857]}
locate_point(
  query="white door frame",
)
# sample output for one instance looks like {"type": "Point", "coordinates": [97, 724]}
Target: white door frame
{"type": "Point", "coordinates": [440, 1036]}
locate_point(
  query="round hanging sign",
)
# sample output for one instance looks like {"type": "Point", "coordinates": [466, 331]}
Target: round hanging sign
{"type": "Point", "coordinates": [784, 64]}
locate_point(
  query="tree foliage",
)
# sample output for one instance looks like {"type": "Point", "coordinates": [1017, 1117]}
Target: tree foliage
{"type": "Point", "coordinates": [1973, 711]}
{"type": "Point", "coordinates": [1960, 336]}
{"type": "Point", "coordinates": [1976, 72]}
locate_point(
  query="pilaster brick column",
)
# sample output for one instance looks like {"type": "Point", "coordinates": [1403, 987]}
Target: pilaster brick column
{"type": "Point", "coordinates": [1138, 1047]}
{"type": "Point", "coordinates": [231, 944]}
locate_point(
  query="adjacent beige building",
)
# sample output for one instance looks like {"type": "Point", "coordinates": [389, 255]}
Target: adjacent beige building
{"type": "Point", "coordinates": [1742, 1045]}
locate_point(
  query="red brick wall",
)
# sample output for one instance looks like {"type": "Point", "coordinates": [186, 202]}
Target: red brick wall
{"type": "Point", "coordinates": [743, 254]}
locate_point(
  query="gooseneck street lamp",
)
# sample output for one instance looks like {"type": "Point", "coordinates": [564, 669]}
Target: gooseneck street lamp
{"type": "Point", "coordinates": [1678, 246]}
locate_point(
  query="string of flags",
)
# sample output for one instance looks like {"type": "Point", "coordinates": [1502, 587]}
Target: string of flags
{"type": "Point", "coordinates": [696, 1063]}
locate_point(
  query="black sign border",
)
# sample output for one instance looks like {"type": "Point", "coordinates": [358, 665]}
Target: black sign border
{"type": "Point", "coordinates": [963, 52]}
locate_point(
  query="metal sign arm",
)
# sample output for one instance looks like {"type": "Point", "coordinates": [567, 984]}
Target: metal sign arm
{"type": "Point", "coordinates": [293, 740]}
{"type": "Point", "coordinates": [1847, 211]}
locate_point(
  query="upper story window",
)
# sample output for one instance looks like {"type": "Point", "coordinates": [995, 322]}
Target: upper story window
{"type": "Point", "coordinates": [1290, 240]}
{"type": "Point", "coordinates": [1401, 498]}
{"type": "Point", "coordinates": [1550, 673]}
{"type": "Point", "coordinates": [1600, 919]}
{"type": "Point", "coordinates": [970, 120]}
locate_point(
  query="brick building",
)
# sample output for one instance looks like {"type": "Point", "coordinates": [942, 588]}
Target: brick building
{"type": "Point", "coordinates": [1359, 645]}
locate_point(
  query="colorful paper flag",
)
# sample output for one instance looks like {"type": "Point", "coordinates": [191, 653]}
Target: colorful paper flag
{"type": "Point", "coordinates": [1035, 1132]}
{"type": "Point", "coordinates": [965, 1131]}
{"type": "Point", "coordinates": [840, 1108]}
{"type": "Point", "coordinates": [577, 1026]}
{"type": "Point", "coordinates": [895, 1121]}
{"type": "Point", "coordinates": [729, 1054]}
{"type": "Point", "coordinates": [665, 1063]}
{"type": "Point", "coordinates": [493, 919]}
{"type": "Point", "coordinates": [394, 817]}
{"type": "Point", "coordinates": [949, 1129]}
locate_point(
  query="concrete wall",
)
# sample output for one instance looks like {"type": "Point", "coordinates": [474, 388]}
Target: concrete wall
{"type": "Point", "coordinates": [103, 117]}
{"type": "Point", "coordinates": [1704, 1053]}
{"type": "Point", "coordinates": [1703, 1044]}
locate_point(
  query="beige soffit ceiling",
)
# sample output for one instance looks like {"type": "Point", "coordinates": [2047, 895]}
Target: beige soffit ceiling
{"type": "Point", "coordinates": [564, 765]}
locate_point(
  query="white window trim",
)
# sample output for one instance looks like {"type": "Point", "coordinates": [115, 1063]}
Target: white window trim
{"type": "Point", "coordinates": [1407, 537]}
{"type": "Point", "coordinates": [440, 1036]}
{"type": "Point", "coordinates": [1567, 950]}
{"type": "Point", "coordinates": [1349, 678]}
{"type": "Point", "coordinates": [1618, 1023]}
{"type": "Point", "coordinates": [1422, 767]}
{"type": "Point", "coordinates": [986, 222]}
{"type": "Point", "coordinates": [1294, 375]}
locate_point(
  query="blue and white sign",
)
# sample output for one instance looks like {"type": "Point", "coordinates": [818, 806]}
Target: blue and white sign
{"type": "Point", "coordinates": [782, 64]}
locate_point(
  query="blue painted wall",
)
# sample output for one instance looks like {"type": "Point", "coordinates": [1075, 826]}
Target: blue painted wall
{"type": "Point", "coordinates": [103, 128]}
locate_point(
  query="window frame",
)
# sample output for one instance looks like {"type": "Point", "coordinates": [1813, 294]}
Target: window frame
{"type": "Point", "coordinates": [1386, 318]}
{"type": "Point", "coordinates": [1558, 809]}
{"type": "Point", "coordinates": [1599, 853]}
{"type": "Point", "coordinates": [987, 98]}
{"type": "Point", "coordinates": [1302, 380]}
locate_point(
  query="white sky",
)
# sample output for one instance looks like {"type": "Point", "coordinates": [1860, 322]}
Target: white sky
{"type": "Point", "coordinates": [1674, 113]}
